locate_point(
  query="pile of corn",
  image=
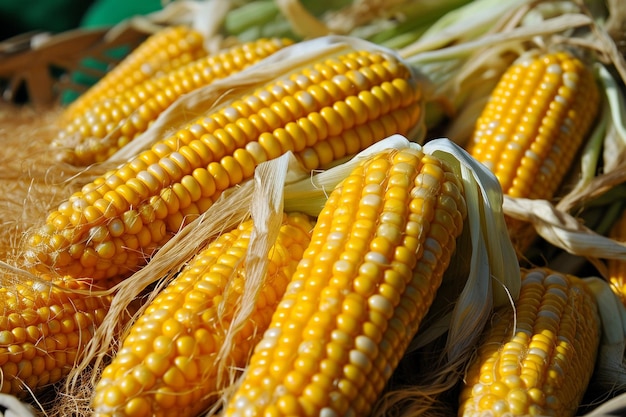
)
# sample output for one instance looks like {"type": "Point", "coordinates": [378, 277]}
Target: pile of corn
{"type": "Point", "coordinates": [276, 208]}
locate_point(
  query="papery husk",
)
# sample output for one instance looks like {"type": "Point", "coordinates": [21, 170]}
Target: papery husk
{"type": "Point", "coordinates": [616, 23]}
{"type": "Point", "coordinates": [394, 23]}
{"type": "Point", "coordinates": [611, 407]}
{"type": "Point", "coordinates": [609, 376]}
{"type": "Point", "coordinates": [565, 231]}
{"type": "Point", "coordinates": [12, 407]}
{"type": "Point", "coordinates": [465, 24]}
{"type": "Point", "coordinates": [266, 210]}
{"type": "Point", "coordinates": [596, 187]}
{"type": "Point", "coordinates": [361, 12]}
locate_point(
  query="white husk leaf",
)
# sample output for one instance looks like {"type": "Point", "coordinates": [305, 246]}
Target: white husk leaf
{"type": "Point", "coordinates": [612, 407]}
{"type": "Point", "coordinates": [600, 185]}
{"type": "Point", "coordinates": [424, 54]}
{"type": "Point", "coordinates": [564, 231]}
{"type": "Point", "coordinates": [610, 371]}
{"type": "Point", "coordinates": [614, 149]}
{"type": "Point", "coordinates": [266, 210]}
{"type": "Point", "coordinates": [12, 407]}
{"type": "Point", "coordinates": [615, 141]}
{"type": "Point", "coordinates": [494, 278]}
{"type": "Point", "coordinates": [466, 22]}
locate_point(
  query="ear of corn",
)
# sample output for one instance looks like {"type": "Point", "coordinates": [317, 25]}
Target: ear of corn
{"type": "Point", "coordinates": [377, 255]}
{"type": "Point", "coordinates": [538, 358]}
{"type": "Point", "coordinates": [107, 125]}
{"type": "Point", "coordinates": [533, 125]}
{"type": "Point", "coordinates": [44, 328]}
{"type": "Point", "coordinates": [323, 112]}
{"type": "Point", "coordinates": [616, 268]}
{"type": "Point", "coordinates": [167, 364]}
{"type": "Point", "coordinates": [170, 47]}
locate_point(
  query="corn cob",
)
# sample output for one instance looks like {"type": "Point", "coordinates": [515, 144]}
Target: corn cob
{"type": "Point", "coordinates": [535, 121]}
{"type": "Point", "coordinates": [169, 48]}
{"type": "Point", "coordinates": [323, 112]}
{"type": "Point", "coordinates": [533, 125]}
{"type": "Point", "coordinates": [376, 259]}
{"type": "Point", "coordinates": [538, 358]}
{"type": "Point", "coordinates": [173, 371]}
{"type": "Point", "coordinates": [122, 117]}
{"type": "Point", "coordinates": [616, 268]}
{"type": "Point", "coordinates": [44, 328]}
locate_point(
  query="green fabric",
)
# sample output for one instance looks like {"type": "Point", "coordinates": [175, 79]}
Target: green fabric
{"type": "Point", "coordinates": [110, 12]}
{"type": "Point", "coordinates": [20, 16]}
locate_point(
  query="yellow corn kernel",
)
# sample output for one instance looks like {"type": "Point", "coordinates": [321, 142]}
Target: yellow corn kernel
{"type": "Point", "coordinates": [314, 122]}
{"type": "Point", "coordinates": [169, 48]}
{"type": "Point", "coordinates": [177, 339]}
{"type": "Point", "coordinates": [44, 329]}
{"type": "Point", "coordinates": [539, 361]}
{"type": "Point", "coordinates": [533, 125]}
{"type": "Point", "coordinates": [108, 124]}
{"type": "Point", "coordinates": [357, 297]}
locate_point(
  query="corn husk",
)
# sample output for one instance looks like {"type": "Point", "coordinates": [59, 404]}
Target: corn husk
{"type": "Point", "coordinates": [564, 230]}
{"type": "Point", "coordinates": [12, 407]}
{"type": "Point", "coordinates": [610, 372]}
